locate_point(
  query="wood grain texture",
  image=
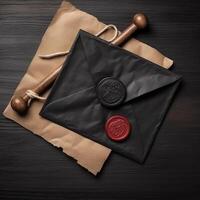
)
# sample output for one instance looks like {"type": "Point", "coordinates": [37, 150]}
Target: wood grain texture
{"type": "Point", "coordinates": [30, 168]}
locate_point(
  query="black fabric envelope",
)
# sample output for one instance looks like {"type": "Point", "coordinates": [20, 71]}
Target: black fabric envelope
{"type": "Point", "coordinates": [75, 102]}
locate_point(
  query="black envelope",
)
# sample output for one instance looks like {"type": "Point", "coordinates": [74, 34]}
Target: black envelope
{"type": "Point", "coordinates": [100, 80]}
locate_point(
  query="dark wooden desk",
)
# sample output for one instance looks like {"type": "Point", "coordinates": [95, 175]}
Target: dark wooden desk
{"type": "Point", "coordinates": [30, 168]}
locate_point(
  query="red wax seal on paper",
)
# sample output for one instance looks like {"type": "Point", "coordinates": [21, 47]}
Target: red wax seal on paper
{"type": "Point", "coordinates": [117, 127]}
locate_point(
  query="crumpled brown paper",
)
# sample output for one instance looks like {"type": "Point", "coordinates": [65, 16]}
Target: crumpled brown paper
{"type": "Point", "coordinates": [59, 37]}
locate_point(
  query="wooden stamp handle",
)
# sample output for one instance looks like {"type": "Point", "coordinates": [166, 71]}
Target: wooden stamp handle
{"type": "Point", "coordinates": [20, 103]}
{"type": "Point", "coordinates": [139, 22]}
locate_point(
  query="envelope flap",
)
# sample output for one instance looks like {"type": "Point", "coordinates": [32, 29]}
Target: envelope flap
{"type": "Point", "coordinates": [139, 75]}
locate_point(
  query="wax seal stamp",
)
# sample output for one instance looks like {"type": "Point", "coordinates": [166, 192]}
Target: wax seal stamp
{"type": "Point", "coordinates": [117, 128]}
{"type": "Point", "coordinates": [111, 92]}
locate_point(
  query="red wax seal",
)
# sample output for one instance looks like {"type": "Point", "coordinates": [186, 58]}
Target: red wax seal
{"type": "Point", "coordinates": [117, 127]}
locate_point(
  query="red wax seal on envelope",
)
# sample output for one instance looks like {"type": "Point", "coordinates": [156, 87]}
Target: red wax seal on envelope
{"type": "Point", "coordinates": [117, 128]}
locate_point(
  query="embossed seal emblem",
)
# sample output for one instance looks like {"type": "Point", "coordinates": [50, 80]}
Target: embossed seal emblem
{"type": "Point", "coordinates": [111, 92]}
{"type": "Point", "coordinates": [117, 128]}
